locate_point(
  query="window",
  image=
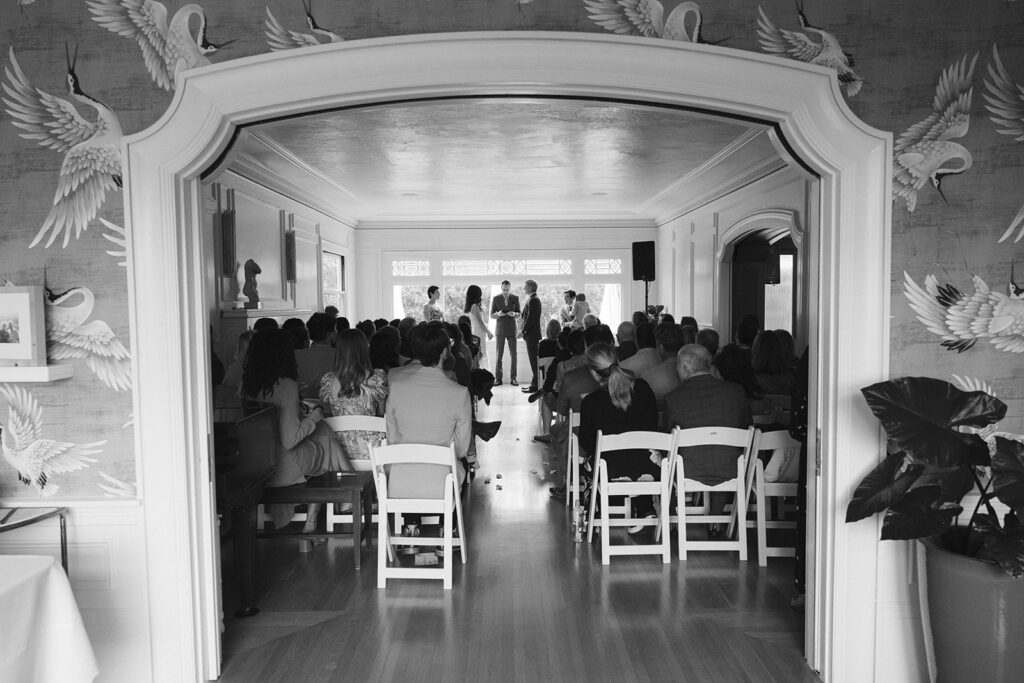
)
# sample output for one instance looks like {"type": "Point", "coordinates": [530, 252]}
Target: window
{"type": "Point", "coordinates": [605, 299]}
{"type": "Point", "coordinates": [602, 266]}
{"type": "Point", "coordinates": [490, 267]}
{"type": "Point", "coordinates": [410, 268]}
{"type": "Point", "coordinates": [333, 281]}
{"type": "Point", "coordinates": [778, 299]}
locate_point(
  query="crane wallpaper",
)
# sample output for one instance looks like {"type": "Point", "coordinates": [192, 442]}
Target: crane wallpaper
{"type": "Point", "coordinates": [945, 76]}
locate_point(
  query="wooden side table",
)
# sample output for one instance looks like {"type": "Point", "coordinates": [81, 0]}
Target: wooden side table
{"type": "Point", "coordinates": [16, 517]}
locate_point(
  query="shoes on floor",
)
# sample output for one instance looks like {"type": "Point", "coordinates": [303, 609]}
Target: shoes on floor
{"type": "Point", "coordinates": [529, 390]}
{"type": "Point", "coordinates": [542, 438]}
{"type": "Point", "coordinates": [514, 383]}
{"type": "Point", "coordinates": [497, 382]}
{"type": "Point", "coordinates": [557, 492]}
{"type": "Point", "coordinates": [640, 527]}
{"type": "Point", "coordinates": [535, 396]}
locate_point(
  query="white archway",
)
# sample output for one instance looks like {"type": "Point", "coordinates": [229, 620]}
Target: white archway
{"type": "Point", "coordinates": [169, 328]}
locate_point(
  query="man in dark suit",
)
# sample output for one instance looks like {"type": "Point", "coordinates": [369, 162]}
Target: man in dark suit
{"type": "Point", "coordinates": [703, 401]}
{"type": "Point", "coordinates": [505, 310]}
{"type": "Point", "coordinates": [531, 330]}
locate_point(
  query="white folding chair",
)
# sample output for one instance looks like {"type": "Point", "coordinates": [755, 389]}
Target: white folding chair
{"type": "Point", "coordinates": [741, 439]}
{"type": "Point", "coordinates": [445, 503]}
{"type": "Point", "coordinates": [604, 488]}
{"type": "Point", "coordinates": [543, 412]}
{"type": "Point", "coordinates": [353, 423]}
{"type": "Point", "coordinates": [782, 445]}
{"type": "Point", "coordinates": [572, 463]}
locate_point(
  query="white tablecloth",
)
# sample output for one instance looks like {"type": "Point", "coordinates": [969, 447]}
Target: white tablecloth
{"type": "Point", "coordinates": [43, 639]}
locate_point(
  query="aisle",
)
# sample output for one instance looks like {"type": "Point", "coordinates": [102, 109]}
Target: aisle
{"type": "Point", "coordinates": [529, 606]}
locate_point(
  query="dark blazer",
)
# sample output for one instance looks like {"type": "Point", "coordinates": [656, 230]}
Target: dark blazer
{"type": "Point", "coordinates": [531, 318]}
{"type": "Point", "coordinates": [505, 324]}
{"type": "Point", "coordinates": [703, 401]}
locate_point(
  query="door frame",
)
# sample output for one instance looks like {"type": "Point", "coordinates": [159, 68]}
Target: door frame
{"type": "Point", "coordinates": [169, 329]}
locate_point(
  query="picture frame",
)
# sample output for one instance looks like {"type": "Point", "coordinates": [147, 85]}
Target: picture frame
{"type": "Point", "coordinates": [22, 327]}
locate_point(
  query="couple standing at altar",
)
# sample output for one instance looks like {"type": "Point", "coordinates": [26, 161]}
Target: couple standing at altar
{"type": "Point", "coordinates": [505, 310]}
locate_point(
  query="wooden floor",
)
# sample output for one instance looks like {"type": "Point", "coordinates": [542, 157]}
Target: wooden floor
{"type": "Point", "coordinates": [530, 605]}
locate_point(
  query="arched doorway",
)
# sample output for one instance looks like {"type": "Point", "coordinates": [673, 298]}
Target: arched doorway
{"type": "Point", "coordinates": [163, 164]}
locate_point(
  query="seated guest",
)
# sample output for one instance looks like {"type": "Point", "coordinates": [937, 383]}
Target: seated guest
{"type": "Point", "coordinates": [646, 355]}
{"type": "Point", "coordinates": [589, 320]}
{"type": "Point", "coordinates": [688, 320]}
{"type": "Point", "coordinates": [318, 357]}
{"type": "Point", "coordinates": [789, 350]}
{"type": "Point", "coordinates": [264, 324]}
{"type": "Point", "coordinates": [367, 328]}
{"type": "Point", "coordinates": [772, 368]}
{"type": "Point", "coordinates": [353, 387]}
{"type": "Point", "coordinates": [233, 374]}
{"type": "Point", "coordinates": [746, 333]}
{"type": "Point", "coordinates": [404, 328]}
{"type": "Point", "coordinates": [394, 322]}
{"type": "Point", "coordinates": [580, 310]}
{"type": "Point", "coordinates": [703, 401]}
{"type": "Point", "coordinates": [548, 346]}
{"type": "Point", "coordinates": [663, 377]}
{"type": "Point", "coordinates": [639, 318]}
{"type": "Point", "coordinates": [625, 338]}
{"type": "Point", "coordinates": [306, 445]}
{"type": "Point", "coordinates": [471, 341]}
{"type": "Point", "coordinates": [562, 354]}
{"type": "Point", "coordinates": [708, 338]}
{"type": "Point", "coordinates": [733, 365]}
{"type": "Point", "coordinates": [577, 341]}
{"type": "Point", "coordinates": [380, 323]}
{"type": "Point", "coordinates": [297, 328]}
{"type": "Point", "coordinates": [332, 311]}
{"type": "Point", "coordinates": [576, 383]}
{"type": "Point", "coordinates": [424, 406]}
{"type": "Point", "coordinates": [384, 350]}
{"type": "Point", "coordinates": [621, 404]}
{"type": "Point", "coordinates": [666, 319]}
{"type": "Point", "coordinates": [462, 356]}
{"type": "Point", "coordinates": [341, 324]}
{"type": "Point", "coordinates": [689, 334]}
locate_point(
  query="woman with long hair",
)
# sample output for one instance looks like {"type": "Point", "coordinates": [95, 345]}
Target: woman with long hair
{"type": "Point", "coordinates": [270, 376]}
{"type": "Point", "coordinates": [432, 310]}
{"type": "Point", "coordinates": [355, 388]}
{"type": "Point", "coordinates": [624, 403]}
{"type": "Point", "coordinates": [474, 308]}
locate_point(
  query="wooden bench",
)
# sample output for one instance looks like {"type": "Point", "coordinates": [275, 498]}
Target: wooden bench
{"type": "Point", "coordinates": [330, 488]}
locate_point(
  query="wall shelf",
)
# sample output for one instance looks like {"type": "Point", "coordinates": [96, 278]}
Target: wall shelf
{"type": "Point", "coordinates": [43, 373]}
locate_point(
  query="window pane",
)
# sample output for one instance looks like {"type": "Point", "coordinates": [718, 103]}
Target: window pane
{"type": "Point", "coordinates": [552, 298]}
{"type": "Point", "coordinates": [602, 266]}
{"type": "Point", "coordinates": [409, 301]}
{"type": "Point", "coordinates": [778, 299]}
{"type": "Point", "coordinates": [454, 300]}
{"type": "Point", "coordinates": [410, 268]}
{"type": "Point", "coordinates": [333, 272]}
{"type": "Point", "coordinates": [482, 267]}
{"type": "Point", "coordinates": [605, 301]}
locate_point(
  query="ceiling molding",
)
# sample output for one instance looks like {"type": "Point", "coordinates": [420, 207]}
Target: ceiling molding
{"type": "Point", "coordinates": [761, 169]}
{"type": "Point", "coordinates": [250, 169]}
{"type": "Point", "coordinates": [539, 223]}
{"type": "Point", "coordinates": [676, 189]}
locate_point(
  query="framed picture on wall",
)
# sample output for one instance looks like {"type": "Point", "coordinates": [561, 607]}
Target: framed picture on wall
{"type": "Point", "coordinates": [22, 327]}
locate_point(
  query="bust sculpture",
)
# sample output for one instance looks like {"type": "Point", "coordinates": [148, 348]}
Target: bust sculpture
{"type": "Point", "coordinates": [252, 269]}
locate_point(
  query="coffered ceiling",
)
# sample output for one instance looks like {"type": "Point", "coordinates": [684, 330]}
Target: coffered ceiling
{"type": "Point", "coordinates": [502, 158]}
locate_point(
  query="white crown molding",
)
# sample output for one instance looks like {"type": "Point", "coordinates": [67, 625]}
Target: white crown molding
{"type": "Point", "coordinates": [761, 169]}
{"type": "Point", "coordinates": [546, 222]}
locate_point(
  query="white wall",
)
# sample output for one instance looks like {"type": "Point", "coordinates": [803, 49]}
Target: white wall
{"type": "Point", "coordinates": [690, 244]}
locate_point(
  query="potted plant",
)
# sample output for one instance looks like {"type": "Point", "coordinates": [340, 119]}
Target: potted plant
{"type": "Point", "coordinates": [942, 445]}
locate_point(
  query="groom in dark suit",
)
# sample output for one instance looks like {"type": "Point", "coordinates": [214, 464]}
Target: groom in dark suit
{"type": "Point", "coordinates": [531, 330]}
{"type": "Point", "coordinates": [505, 310]}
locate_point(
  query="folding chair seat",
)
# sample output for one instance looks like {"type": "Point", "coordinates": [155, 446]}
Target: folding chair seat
{"type": "Point", "coordinates": [572, 463]}
{"type": "Point", "coordinates": [782, 446]}
{"type": "Point", "coordinates": [605, 488]}
{"type": "Point", "coordinates": [353, 423]}
{"type": "Point", "coordinates": [742, 439]}
{"type": "Point", "coordinates": [543, 412]}
{"type": "Point", "coordinates": [444, 502]}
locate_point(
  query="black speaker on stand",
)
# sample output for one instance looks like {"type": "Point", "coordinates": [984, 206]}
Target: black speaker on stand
{"type": "Point", "coordinates": [643, 267]}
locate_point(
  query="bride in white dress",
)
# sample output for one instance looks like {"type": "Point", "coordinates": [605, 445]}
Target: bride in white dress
{"type": "Point", "coordinates": [474, 297]}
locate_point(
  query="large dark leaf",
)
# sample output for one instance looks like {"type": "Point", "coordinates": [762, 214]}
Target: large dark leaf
{"type": "Point", "coordinates": [955, 482]}
{"type": "Point", "coordinates": [1008, 473]}
{"type": "Point", "coordinates": [882, 487]}
{"type": "Point", "coordinates": [920, 416]}
{"type": "Point", "coordinates": [1006, 545]}
{"type": "Point", "coordinates": [918, 514]}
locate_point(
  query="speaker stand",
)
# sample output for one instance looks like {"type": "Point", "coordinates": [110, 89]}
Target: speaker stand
{"type": "Point", "coordinates": [647, 291]}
